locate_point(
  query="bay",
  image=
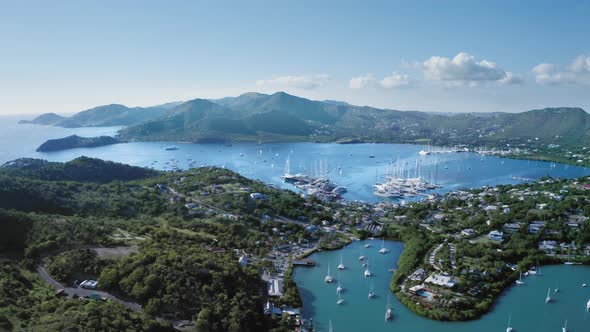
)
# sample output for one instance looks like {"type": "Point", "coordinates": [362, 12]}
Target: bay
{"type": "Point", "coordinates": [525, 303]}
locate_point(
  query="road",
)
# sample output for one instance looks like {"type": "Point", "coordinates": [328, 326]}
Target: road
{"type": "Point", "coordinates": [84, 292]}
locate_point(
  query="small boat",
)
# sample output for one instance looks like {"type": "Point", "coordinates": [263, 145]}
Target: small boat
{"type": "Point", "coordinates": [330, 329]}
{"type": "Point", "coordinates": [341, 266]}
{"type": "Point", "coordinates": [548, 298]}
{"type": "Point", "coordinates": [371, 156]}
{"type": "Point", "coordinates": [340, 299]}
{"type": "Point", "coordinates": [371, 293]}
{"type": "Point", "coordinates": [588, 305]}
{"type": "Point", "coordinates": [367, 271]}
{"type": "Point", "coordinates": [519, 281]}
{"type": "Point", "coordinates": [509, 328]}
{"type": "Point", "coordinates": [584, 285]}
{"type": "Point", "coordinates": [328, 278]}
{"type": "Point", "coordinates": [383, 250]}
{"type": "Point", "coordinates": [564, 328]}
{"type": "Point", "coordinates": [368, 245]}
{"type": "Point", "coordinates": [361, 258]}
{"type": "Point", "coordinates": [388, 309]}
{"type": "Point", "coordinates": [171, 148]}
{"type": "Point", "coordinates": [339, 289]}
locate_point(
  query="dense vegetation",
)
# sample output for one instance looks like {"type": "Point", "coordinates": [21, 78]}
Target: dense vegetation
{"type": "Point", "coordinates": [74, 141]}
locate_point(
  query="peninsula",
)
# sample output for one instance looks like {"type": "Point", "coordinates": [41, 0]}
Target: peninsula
{"type": "Point", "coordinates": [74, 141]}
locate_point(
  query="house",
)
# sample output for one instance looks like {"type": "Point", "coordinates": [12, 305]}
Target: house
{"type": "Point", "coordinates": [468, 232]}
{"type": "Point", "coordinates": [548, 246]}
{"type": "Point", "coordinates": [496, 235]}
{"type": "Point", "coordinates": [275, 287]}
{"type": "Point", "coordinates": [511, 228]}
{"type": "Point", "coordinates": [418, 275]}
{"type": "Point", "coordinates": [535, 226]}
{"type": "Point", "coordinates": [243, 261]}
{"type": "Point", "coordinates": [441, 280]}
{"type": "Point", "coordinates": [256, 196]}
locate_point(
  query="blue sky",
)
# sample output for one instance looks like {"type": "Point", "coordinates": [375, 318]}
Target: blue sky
{"type": "Point", "coordinates": [449, 56]}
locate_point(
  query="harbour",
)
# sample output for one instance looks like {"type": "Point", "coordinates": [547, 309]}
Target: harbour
{"type": "Point", "coordinates": [524, 305]}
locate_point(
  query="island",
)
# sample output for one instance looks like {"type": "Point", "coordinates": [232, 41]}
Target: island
{"type": "Point", "coordinates": [74, 141]}
{"type": "Point", "coordinates": [44, 119]}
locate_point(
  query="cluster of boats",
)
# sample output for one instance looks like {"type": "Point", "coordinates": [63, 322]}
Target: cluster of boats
{"type": "Point", "coordinates": [399, 181]}
{"type": "Point", "coordinates": [320, 187]}
{"type": "Point", "coordinates": [367, 273]}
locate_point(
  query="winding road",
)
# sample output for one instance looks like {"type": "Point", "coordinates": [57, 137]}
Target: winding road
{"type": "Point", "coordinates": [84, 292]}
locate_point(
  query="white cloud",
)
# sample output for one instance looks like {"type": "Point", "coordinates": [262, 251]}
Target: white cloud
{"type": "Point", "coordinates": [576, 73]}
{"type": "Point", "coordinates": [393, 81]}
{"type": "Point", "coordinates": [511, 78]}
{"type": "Point", "coordinates": [307, 82]}
{"type": "Point", "coordinates": [464, 69]}
{"type": "Point", "coordinates": [396, 80]}
{"type": "Point", "coordinates": [362, 81]}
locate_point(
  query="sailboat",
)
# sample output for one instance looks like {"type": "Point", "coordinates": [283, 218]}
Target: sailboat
{"type": "Point", "coordinates": [330, 329]}
{"type": "Point", "coordinates": [340, 299]}
{"type": "Point", "coordinates": [367, 245]}
{"type": "Point", "coordinates": [539, 272]}
{"type": "Point", "coordinates": [367, 271]}
{"type": "Point", "coordinates": [339, 289]}
{"type": "Point", "coordinates": [328, 278]}
{"type": "Point", "coordinates": [588, 305]}
{"type": "Point", "coordinates": [361, 257]}
{"type": "Point", "coordinates": [548, 298]}
{"type": "Point", "coordinates": [556, 290]}
{"type": "Point", "coordinates": [383, 250]}
{"type": "Point", "coordinates": [519, 281]}
{"type": "Point", "coordinates": [564, 328]}
{"type": "Point", "coordinates": [371, 292]}
{"type": "Point", "coordinates": [341, 266]}
{"type": "Point", "coordinates": [509, 328]}
{"type": "Point", "coordinates": [388, 309]}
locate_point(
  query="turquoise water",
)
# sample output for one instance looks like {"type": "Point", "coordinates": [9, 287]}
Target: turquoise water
{"type": "Point", "coordinates": [346, 165]}
{"type": "Point", "coordinates": [525, 303]}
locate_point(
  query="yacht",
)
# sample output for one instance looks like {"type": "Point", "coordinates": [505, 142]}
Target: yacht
{"type": "Point", "coordinates": [339, 289]}
{"type": "Point", "coordinates": [383, 250]}
{"type": "Point", "coordinates": [548, 298]}
{"type": "Point", "coordinates": [588, 305]}
{"type": "Point", "coordinates": [367, 271]}
{"type": "Point", "coordinates": [388, 310]}
{"type": "Point", "coordinates": [341, 266]}
{"type": "Point", "coordinates": [328, 278]}
{"type": "Point", "coordinates": [564, 328]}
{"type": "Point", "coordinates": [519, 281]}
{"type": "Point", "coordinates": [330, 329]}
{"type": "Point", "coordinates": [171, 148]}
{"type": "Point", "coordinates": [583, 285]}
{"type": "Point", "coordinates": [361, 258]}
{"type": "Point", "coordinates": [509, 328]}
{"type": "Point", "coordinates": [423, 153]}
{"type": "Point", "coordinates": [368, 245]}
{"type": "Point", "coordinates": [371, 292]}
{"type": "Point", "coordinates": [340, 299]}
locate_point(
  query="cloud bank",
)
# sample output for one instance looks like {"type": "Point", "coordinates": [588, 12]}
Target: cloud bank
{"type": "Point", "coordinates": [576, 73]}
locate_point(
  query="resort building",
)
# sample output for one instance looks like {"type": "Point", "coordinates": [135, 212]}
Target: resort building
{"type": "Point", "coordinates": [496, 235]}
{"type": "Point", "coordinates": [441, 280]}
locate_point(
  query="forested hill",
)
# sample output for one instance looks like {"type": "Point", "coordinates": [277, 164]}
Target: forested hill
{"type": "Point", "coordinates": [283, 117]}
{"type": "Point", "coordinates": [81, 169]}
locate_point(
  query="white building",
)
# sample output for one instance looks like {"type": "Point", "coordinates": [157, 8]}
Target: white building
{"type": "Point", "coordinates": [496, 235]}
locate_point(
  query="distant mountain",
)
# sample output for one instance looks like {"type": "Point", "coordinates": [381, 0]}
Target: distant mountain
{"type": "Point", "coordinates": [283, 117]}
{"type": "Point", "coordinates": [74, 141]}
{"type": "Point", "coordinates": [112, 115]}
{"type": "Point", "coordinates": [44, 119]}
{"type": "Point", "coordinates": [82, 169]}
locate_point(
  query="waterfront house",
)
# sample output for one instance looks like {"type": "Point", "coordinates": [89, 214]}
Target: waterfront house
{"type": "Point", "coordinates": [496, 235]}
{"type": "Point", "coordinates": [441, 280]}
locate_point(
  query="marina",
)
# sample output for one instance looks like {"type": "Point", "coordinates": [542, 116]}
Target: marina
{"type": "Point", "coordinates": [524, 305]}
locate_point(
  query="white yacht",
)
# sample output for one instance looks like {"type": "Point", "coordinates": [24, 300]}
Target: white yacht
{"type": "Point", "coordinates": [509, 328]}
{"type": "Point", "coordinates": [564, 328]}
{"type": "Point", "coordinates": [383, 250]}
{"type": "Point", "coordinates": [548, 298]}
{"type": "Point", "coordinates": [583, 285]}
{"type": "Point", "coordinates": [339, 289]}
{"type": "Point", "coordinates": [330, 329]}
{"type": "Point", "coordinates": [371, 292]}
{"type": "Point", "coordinates": [340, 299]}
{"type": "Point", "coordinates": [367, 271]}
{"type": "Point", "coordinates": [341, 266]}
{"type": "Point", "coordinates": [368, 245]}
{"type": "Point", "coordinates": [361, 258]}
{"type": "Point", "coordinates": [588, 305]}
{"type": "Point", "coordinates": [328, 278]}
{"type": "Point", "coordinates": [519, 281]}
{"type": "Point", "coordinates": [388, 309]}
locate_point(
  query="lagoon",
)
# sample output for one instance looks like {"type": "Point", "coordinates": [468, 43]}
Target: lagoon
{"type": "Point", "coordinates": [525, 303]}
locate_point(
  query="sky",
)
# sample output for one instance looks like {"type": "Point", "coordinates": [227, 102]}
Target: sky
{"type": "Point", "coordinates": [439, 56]}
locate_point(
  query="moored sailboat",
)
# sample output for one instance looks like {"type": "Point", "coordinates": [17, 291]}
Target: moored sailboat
{"type": "Point", "coordinates": [383, 250]}
{"type": "Point", "coordinates": [328, 278]}
{"type": "Point", "coordinates": [548, 298]}
{"type": "Point", "coordinates": [388, 309]}
{"type": "Point", "coordinates": [509, 327]}
{"type": "Point", "coordinates": [367, 271]}
{"type": "Point", "coordinates": [341, 266]}
{"type": "Point", "coordinates": [519, 281]}
{"type": "Point", "coordinates": [564, 328]}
